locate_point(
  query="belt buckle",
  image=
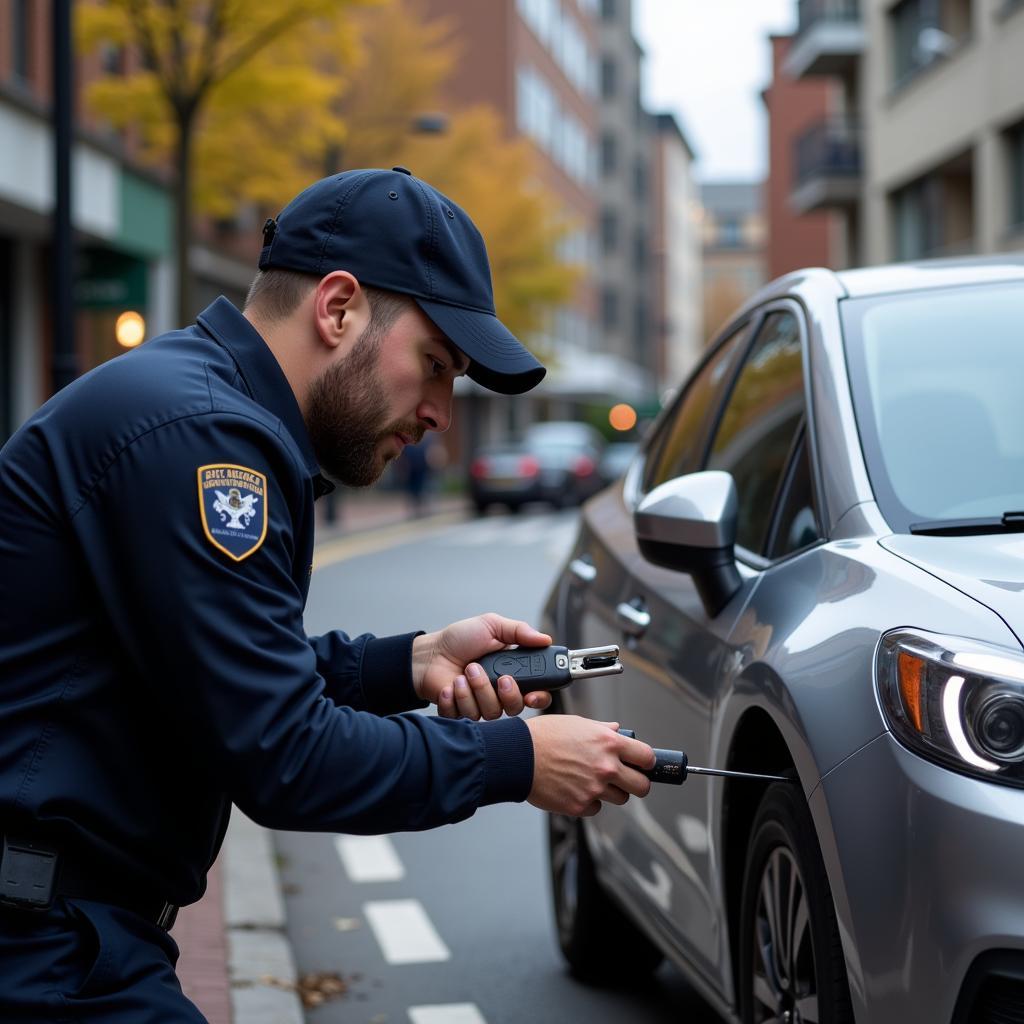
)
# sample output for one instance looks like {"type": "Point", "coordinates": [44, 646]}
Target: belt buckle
{"type": "Point", "coordinates": [28, 874]}
{"type": "Point", "coordinates": [165, 919]}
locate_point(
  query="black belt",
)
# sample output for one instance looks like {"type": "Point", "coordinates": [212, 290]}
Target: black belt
{"type": "Point", "coordinates": [33, 874]}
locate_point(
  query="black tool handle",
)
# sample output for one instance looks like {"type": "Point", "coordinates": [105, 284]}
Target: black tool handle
{"type": "Point", "coordinates": [669, 765]}
{"type": "Point", "coordinates": [533, 668]}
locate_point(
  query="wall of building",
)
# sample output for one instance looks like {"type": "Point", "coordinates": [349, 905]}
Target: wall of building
{"type": "Point", "coordinates": [795, 240]}
{"type": "Point", "coordinates": [958, 108]}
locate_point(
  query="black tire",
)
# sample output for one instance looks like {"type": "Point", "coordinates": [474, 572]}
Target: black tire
{"type": "Point", "coordinates": [791, 959]}
{"type": "Point", "coordinates": [481, 507]}
{"type": "Point", "coordinates": [601, 945]}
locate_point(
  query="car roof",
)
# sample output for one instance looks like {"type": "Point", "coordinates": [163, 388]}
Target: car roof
{"type": "Point", "coordinates": [903, 277]}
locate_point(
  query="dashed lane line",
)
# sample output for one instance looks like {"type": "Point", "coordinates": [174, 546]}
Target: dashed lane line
{"type": "Point", "coordinates": [404, 932]}
{"type": "Point", "coordinates": [446, 1013]}
{"type": "Point", "coordinates": [369, 858]}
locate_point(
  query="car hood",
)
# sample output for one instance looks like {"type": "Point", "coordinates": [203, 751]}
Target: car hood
{"type": "Point", "coordinates": [989, 568]}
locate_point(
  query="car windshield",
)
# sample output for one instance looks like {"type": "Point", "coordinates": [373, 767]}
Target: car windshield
{"type": "Point", "coordinates": [936, 380]}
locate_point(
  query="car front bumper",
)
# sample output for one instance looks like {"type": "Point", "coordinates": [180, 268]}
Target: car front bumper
{"type": "Point", "coordinates": [927, 873]}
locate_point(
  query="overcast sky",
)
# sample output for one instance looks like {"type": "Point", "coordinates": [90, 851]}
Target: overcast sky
{"type": "Point", "coordinates": [707, 62]}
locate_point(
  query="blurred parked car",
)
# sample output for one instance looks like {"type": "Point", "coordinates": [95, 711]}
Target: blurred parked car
{"type": "Point", "coordinates": [815, 570]}
{"type": "Point", "coordinates": [555, 463]}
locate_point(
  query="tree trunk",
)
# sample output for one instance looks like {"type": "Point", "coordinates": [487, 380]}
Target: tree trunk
{"type": "Point", "coordinates": [183, 217]}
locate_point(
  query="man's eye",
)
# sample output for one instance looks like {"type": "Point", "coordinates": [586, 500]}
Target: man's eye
{"type": "Point", "coordinates": [436, 367]}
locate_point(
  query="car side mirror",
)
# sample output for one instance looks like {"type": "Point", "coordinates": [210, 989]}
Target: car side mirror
{"type": "Point", "coordinates": [689, 524]}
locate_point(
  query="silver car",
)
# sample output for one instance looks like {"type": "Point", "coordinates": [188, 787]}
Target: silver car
{"type": "Point", "coordinates": [815, 569]}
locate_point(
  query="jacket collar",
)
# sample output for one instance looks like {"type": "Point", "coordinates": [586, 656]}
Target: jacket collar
{"type": "Point", "coordinates": [263, 377]}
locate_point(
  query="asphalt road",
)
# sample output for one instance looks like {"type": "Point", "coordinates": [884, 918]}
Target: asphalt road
{"type": "Point", "coordinates": [451, 926]}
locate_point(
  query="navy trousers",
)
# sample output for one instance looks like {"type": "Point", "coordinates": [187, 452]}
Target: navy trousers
{"type": "Point", "coordinates": [89, 962]}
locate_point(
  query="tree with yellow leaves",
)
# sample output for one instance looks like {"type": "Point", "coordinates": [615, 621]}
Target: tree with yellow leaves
{"type": "Point", "coordinates": [260, 98]}
{"type": "Point", "coordinates": [222, 83]}
{"type": "Point", "coordinates": [403, 62]}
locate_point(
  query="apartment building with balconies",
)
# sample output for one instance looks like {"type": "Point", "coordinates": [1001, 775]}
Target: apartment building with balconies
{"type": "Point", "coordinates": [926, 157]}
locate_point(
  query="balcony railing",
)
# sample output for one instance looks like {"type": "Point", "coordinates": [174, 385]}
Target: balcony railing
{"type": "Point", "coordinates": [827, 166]}
{"type": "Point", "coordinates": [813, 12]}
{"type": "Point", "coordinates": [830, 38]}
{"type": "Point", "coordinates": [831, 148]}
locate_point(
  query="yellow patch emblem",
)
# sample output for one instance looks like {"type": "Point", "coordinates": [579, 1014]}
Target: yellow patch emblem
{"type": "Point", "coordinates": [233, 508]}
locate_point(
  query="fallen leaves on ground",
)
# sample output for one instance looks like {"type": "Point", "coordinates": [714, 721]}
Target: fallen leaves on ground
{"type": "Point", "coordinates": [314, 988]}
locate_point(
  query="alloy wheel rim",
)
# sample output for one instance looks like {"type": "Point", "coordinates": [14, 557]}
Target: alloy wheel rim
{"type": "Point", "coordinates": [784, 981]}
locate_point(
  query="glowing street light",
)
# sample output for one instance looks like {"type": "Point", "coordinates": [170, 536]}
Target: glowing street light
{"type": "Point", "coordinates": [130, 329]}
{"type": "Point", "coordinates": [622, 417]}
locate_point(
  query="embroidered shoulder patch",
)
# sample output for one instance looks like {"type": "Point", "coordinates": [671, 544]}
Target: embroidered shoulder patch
{"type": "Point", "coordinates": [233, 508]}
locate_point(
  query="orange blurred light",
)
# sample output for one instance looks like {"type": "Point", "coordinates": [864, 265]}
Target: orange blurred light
{"type": "Point", "coordinates": [622, 416]}
{"type": "Point", "coordinates": [130, 329]}
{"type": "Point", "coordinates": [910, 670]}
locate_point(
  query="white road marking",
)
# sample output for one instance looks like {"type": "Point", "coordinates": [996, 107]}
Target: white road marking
{"type": "Point", "coordinates": [446, 1013]}
{"type": "Point", "coordinates": [404, 932]}
{"type": "Point", "coordinates": [369, 858]}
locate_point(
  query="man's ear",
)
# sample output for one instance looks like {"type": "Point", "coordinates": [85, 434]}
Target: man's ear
{"type": "Point", "coordinates": [341, 309]}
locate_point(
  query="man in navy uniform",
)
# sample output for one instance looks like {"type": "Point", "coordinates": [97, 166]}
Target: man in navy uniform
{"type": "Point", "coordinates": [156, 545]}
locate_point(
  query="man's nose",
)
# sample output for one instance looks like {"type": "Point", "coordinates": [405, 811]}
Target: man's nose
{"type": "Point", "coordinates": [436, 412]}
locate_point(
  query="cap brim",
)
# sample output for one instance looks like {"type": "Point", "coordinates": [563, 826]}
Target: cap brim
{"type": "Point", "coordinates": [497, 359]}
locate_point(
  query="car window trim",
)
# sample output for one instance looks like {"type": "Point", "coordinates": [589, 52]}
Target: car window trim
{"type": "Point", "coordinates": [750, 558]}
{"type": "Point", "coordinates": [757, 322]}
{"type": "Point", "coordinates": [800, 446]}
{"type": "Point", "coordinates": [750, 323]}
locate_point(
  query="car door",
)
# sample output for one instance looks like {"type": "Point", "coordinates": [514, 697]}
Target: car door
{"type": "Point", "coordinates": [599, 581]}
{"type": "Point", "coordinates": [674, 652]}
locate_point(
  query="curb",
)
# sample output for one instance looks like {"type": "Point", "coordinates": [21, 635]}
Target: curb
{"type": "Point", "coordinates": [262, 974]}
{"type": "Point", "coordinates": [261, 968]}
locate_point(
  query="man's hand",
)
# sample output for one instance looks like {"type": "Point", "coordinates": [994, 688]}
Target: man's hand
{"type": "Point", "coordinates": [444, 672]}
{"type": "Point", "coordinates": [579, 763]}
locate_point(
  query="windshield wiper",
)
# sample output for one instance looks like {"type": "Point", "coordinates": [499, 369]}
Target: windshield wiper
{"type": "Point", "coordinates": [1008, 522]}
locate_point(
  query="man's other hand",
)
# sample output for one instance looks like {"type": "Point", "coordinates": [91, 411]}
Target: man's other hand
{"type": "Point", "coordinates": [578, 764]}
{"type": "Point", "coordinates": [445, 673]}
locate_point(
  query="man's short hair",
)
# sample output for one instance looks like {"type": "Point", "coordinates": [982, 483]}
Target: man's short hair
{"type": "Point", "coordinates": [275, 294]}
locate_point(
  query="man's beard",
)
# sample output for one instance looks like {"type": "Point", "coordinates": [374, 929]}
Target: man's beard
{"type": "Point", "coordinates": [345, 415]}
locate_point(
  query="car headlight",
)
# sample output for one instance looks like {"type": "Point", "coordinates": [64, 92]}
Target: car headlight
{"type": "Point", "coordinates": [956, 701]}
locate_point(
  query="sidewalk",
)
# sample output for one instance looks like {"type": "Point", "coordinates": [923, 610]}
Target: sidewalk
{"type": "Point", "coordinates": [236, 964]}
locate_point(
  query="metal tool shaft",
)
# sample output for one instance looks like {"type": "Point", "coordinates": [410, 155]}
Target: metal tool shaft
{"type": "Point", "coordinates": [693, 770]}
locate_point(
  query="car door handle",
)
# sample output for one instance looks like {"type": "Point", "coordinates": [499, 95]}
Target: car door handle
{"type": "Point", "coordinates": [633, 620]}
{"type": "Point", "coordinates": [583, 570]}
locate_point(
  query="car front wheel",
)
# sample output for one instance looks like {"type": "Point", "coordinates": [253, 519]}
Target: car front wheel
{"type": "Point", "coordinates": [601, 945]}
{"type": "Point", "coordinates": [792, 969]}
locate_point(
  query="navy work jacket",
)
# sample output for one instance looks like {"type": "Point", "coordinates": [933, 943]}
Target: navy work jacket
{"type": "Point", "coordinates": [156, 543]}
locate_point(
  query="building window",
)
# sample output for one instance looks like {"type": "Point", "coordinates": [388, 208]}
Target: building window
{"type": "Point", "coordinates": [21, 40]}
{"type": "Point", "coordinates": [609, 154]}
{"type": "Point", "coordinates": [609, 77]}
{"type": "Point", "coordinates": [1016, 141]}
{"type": "Point", "coordinates": [925, 31]}
{"type": "Point", "coordinates": [609, 230]}
{"type": "Point", "coordinates": [917, 211]}
{"type": "Point", "coordinates": [640, 176]}
{"type": "Point", "coordinates": [609, 308]}
{"type": "Point", "coordinates": [730, 232]}
{"type": "Point", "coordinates": [641, 249]}
{"type": "Point", "coordinates": [934, 215]}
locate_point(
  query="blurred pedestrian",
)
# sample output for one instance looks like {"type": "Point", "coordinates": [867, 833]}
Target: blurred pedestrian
{"type": "Point", "coordinates": [170, 492]}
{"type": "Point", "coordinates": [416, 469]}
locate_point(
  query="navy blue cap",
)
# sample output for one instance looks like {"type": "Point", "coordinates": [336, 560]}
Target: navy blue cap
{"type": "Point", "coordinates": [393, 231]}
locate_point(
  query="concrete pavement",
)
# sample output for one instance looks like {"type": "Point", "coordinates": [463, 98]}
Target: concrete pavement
{"type": "Point", "coordinates": [236, 964]}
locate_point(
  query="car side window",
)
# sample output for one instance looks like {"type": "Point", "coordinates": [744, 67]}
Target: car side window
{"type": "Point", "coordinates": [679, 448]}
{"type": "Point", "coordinates": [796, 526]}
{"type": "Point", "coordinates": [761, 418]}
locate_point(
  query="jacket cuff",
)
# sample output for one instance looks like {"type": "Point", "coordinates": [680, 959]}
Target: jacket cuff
{"type": "Point", "coordinates": [508, 760]}
{"type": "Point", "coordinates": [385, 675]}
